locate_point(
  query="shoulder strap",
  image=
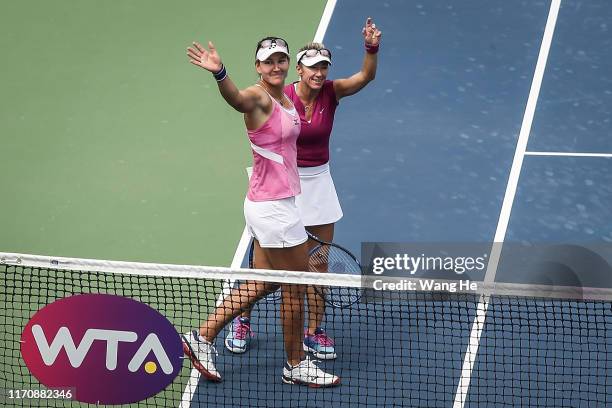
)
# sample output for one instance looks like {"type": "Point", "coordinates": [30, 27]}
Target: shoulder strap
{"type": "Point", "coordinates": [266, 91]}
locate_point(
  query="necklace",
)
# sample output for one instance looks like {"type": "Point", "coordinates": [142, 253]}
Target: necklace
{"type": "Point", "coordinates": [307, 106]}
{"type": "Point", "coordinates": [283, 97]}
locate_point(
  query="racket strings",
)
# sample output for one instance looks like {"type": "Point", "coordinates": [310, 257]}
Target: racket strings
{"type": "Point", "coordinates": [332, 259]}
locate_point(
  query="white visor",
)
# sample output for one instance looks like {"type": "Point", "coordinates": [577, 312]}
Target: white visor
{"type": "Point", "coordinates": [265, 53]}
{"type": "Point", "coordinates": [310, 61]}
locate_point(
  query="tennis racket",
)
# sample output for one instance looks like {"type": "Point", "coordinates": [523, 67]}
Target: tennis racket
{"type": "Point", "coordinates": [326, 257]}
{"type": "Point", "coordinates": [333, 258]}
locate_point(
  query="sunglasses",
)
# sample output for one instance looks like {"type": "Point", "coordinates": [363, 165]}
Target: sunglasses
{"type": "Point", "coordinates": [324, 52]}
{"type": "Point", "coordinates": [272, 43]}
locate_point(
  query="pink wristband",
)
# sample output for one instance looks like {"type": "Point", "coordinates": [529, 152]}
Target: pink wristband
{"type": "Point", "coordinates": [371, 49]}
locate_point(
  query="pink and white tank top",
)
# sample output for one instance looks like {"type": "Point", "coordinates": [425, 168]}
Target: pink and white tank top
{"type": "Point", "coordinates": [275, 175]}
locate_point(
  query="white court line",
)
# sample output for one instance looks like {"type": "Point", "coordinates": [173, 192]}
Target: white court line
{"type": "Point", "coordinates": [569, 154]}
{"type": "Point", "coordinates": [325, 19]}
{"type": "Point", "coordinates": [243, 244]}
{"type": "Point", "coordinates": [504, 217]}
{"type": "Point", "coordinates": [194, 376]}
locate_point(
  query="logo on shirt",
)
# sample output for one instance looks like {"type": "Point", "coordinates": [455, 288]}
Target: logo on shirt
{"type": "Point", "coordinates": [296, 122]}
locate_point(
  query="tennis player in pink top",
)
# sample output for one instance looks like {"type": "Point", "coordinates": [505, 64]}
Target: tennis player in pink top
{"type": "Point", "coordinates": [272, 217]}
{"type": "Point", "coordinates": [316, 98]}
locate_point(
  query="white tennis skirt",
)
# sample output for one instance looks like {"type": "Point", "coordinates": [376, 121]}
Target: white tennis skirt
{"type": "Point", "coordinates": [318, 203]}
{"type": "Point", "coordinates": [274, 223]}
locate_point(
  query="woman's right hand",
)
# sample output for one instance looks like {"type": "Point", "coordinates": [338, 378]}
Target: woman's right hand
{"type": "Point", "coordinates": [207, 59]}
{"type": "Point", "coordinates": [370, 33]}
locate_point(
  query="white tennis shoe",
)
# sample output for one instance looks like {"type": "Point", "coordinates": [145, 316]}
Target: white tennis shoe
{"type": "Point", "coordinates": [308, 373]}
{"type": "Point", "coordinates": [200, 353]}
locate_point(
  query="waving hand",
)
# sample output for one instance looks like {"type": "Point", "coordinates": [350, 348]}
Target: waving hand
{"type": "Point", "coordinates": [203, 58]}
{"type": "Point", "coordinates": [370, 33]}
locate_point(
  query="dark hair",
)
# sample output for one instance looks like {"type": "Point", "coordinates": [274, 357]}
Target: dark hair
{"type": "Point", "coordinates": [269, 38]}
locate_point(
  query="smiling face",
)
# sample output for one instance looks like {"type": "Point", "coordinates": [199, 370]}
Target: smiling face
{"type": "Point", "coordinates": [314, 77]}
{"type": "Point", "coordinates": [273, 70]}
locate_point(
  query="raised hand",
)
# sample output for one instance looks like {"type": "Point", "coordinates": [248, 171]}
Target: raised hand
{"type": "Point", "coordinates": [203, 58]}
{"type": "Point", "coordinates": [370, 33]}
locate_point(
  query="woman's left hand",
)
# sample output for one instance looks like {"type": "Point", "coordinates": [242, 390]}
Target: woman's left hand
{"type": "Point", "coordinates": [370, 33]}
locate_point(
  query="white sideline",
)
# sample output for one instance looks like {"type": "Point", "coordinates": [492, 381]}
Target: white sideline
{"type": "Point", "coordinates": [194, 376]}
{"type": "Point", "coordinates": [504, 217]}
{"type": "Point", "coordinates": [569, 154]}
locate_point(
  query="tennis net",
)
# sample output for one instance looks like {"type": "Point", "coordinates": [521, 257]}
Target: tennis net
{"type": "Point", "coordinates": [537, 346]}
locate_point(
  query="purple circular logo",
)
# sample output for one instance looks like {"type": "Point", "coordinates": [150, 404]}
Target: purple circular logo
{"type": "Point", "coordinates": [108, 349]}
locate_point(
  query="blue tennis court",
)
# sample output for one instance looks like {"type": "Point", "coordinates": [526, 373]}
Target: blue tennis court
{"type": "Point", "coordinates": [488, 121]}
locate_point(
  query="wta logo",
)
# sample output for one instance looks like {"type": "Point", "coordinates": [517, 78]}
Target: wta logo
{"type": "Point", "coordinates": [108, 349]}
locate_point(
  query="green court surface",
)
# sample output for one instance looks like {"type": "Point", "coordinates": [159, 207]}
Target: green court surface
{"type": "Point", "coordinates": [113, 145]}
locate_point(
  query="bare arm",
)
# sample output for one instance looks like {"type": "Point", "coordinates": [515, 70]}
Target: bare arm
{"type": "Point", "coordinates": [356, 82]}
{"type": "Point", "coordinates": [245, 101]}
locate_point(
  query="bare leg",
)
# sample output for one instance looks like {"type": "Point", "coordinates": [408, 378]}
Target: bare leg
{"type": "Point", "coordinates": [239, 299]}
{"type": "Point", "coordinates": [316, 304]}
{"type": "Point", "coordinates": [260, 261]}
{"type": "Point", "coordinates": [292, 306]}
{"type": "Point", "coordinates": [245, 296]}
